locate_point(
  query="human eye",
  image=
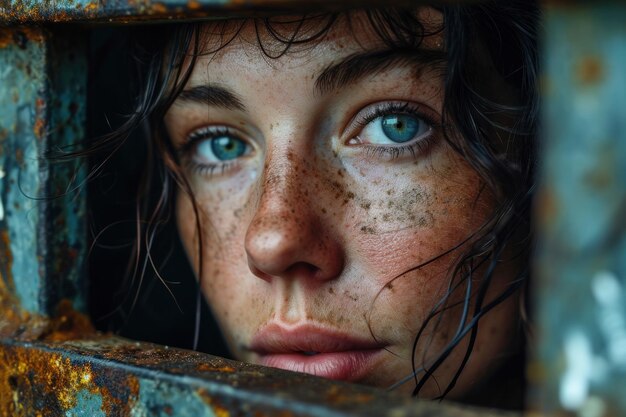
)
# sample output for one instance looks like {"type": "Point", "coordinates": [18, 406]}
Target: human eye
{"type": "Point", "coordinates": [393, 128]}
{"type": "Point", "coordinates": [214, 150]}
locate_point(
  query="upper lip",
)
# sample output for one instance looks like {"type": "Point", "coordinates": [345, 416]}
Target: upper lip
{"type": "Point", "coordinates": [275, 338]}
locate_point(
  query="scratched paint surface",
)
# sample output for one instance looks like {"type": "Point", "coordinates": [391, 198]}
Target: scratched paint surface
{"type": "Point", "coordinates": [581, 273]}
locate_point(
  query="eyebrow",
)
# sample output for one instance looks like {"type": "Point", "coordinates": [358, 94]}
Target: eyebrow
{"type": "Point", "coordinates": [355, 67]}
{"type": "Point", "coordinates": [212, 95]}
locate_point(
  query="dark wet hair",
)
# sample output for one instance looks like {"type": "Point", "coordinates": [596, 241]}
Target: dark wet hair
{"type": "Point", "coordinates": [495, 133]}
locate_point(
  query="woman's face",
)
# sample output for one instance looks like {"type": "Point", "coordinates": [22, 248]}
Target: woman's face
{"type": "Point", "coordinates": [322, 181]}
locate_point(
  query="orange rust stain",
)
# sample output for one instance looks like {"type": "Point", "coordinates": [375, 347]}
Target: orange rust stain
{"type": "Point", "coordinates": [30, 374]}
{"type": "Point", "coordinates": [40, 123]}
{"type": "Point", "coordinates": [39, 128]}
{"type": "Point", "coordinates": [91, 7]}
{"type": "Point", "coordinates": [5, 245]}
{"type": "Point", "coordinates": [336, 396]}
{"type": "Point", "coordinates": [8, 36]}
{"type": "Point", "coordinates": [67, 324]}
{"type": "Point", "coordinates": [590, 70]}
{"type": "Point", "coordinates": [193, 5]}
{"type": "Point", "coordinates": [159, 8]}
{"type": "Point", "coordinates": [218, 409]}
{"type": "Point", "coordinates": [205, 367]}
{"type": "Point", "coordinates": [5, 38]}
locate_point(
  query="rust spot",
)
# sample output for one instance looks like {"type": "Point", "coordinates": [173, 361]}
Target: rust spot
{"type": "Point", "coordinates": [195, 5]}
{"type": "Point", "coordinates": [39, 128]}
{"type": "Point", "coordinates": [207, 367]}
{"type": "Point", "coordinates": [218, 409]}
{"type": "Point", "coordinates": [336, 396]}
{"type": "Point", "coordinates": [159, 8]}
{"type": "Point", "coordinates": [590, 70]}
{"type": "Point", "coordinates": [67, 324]}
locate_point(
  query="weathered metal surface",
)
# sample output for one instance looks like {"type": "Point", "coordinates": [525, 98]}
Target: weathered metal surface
{"type": "Point", "coordinates": [580, 367]}
{"type": "Point", "coordinates": [12, 11]}
{"type": "Point", "coordinates": [42, 228]}
{"type": "Point", "coordinates": [108, 376]}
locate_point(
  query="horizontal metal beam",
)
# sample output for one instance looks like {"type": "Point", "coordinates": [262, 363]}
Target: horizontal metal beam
{"type": "Point", "coordinates": [124, 11]}
{"type": "Point", "coordinates": [109, 376]}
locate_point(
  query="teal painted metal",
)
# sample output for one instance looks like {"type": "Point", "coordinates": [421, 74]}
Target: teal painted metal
{"type": "Point", "coordinates": [42, 97]}
{"type": "Point", "coordinates": [87, 405]}
{"type": "Point", "coordinates": [581, 268]}
{"type": "Point", "coordinates": [115, 377]}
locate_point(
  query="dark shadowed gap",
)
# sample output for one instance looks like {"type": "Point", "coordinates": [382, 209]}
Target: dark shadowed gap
{"type": "Point", "coordinates": [155, 317]}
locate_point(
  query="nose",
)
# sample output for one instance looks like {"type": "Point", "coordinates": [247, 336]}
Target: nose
{"type": "Point", "coordinates": [287, 237]}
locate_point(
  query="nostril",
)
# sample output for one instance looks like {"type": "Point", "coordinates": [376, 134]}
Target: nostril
{"type": "Point", "coordinates": [303, 269]}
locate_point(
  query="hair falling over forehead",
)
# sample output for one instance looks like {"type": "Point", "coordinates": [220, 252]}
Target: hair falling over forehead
{"type": "Point", "coordinates": [494, 133]}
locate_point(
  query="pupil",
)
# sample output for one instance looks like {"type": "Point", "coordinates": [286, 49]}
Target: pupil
{"type": "Point", "coordinates": [226, 148]}
{"type": "Point", "coordinates": [400, 127]}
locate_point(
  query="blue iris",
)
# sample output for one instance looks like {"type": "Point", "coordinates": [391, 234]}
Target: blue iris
{"type": "Point", "coordinates": [226, 148]}
{"type": "Point", "coordinates": [400, 127]}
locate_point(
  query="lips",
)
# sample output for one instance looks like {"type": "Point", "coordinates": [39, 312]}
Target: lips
{"type": "Point", "coordinates": [316, 350]}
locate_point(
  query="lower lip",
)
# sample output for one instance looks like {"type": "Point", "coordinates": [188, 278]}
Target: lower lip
{"type": "Point", "coordinates": [343, 366]}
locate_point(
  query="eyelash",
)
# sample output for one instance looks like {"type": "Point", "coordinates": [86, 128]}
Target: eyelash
{"type": "Point", "coordinates": [394, 152]}
{"type": "Point", "coordinates": [187, 150]}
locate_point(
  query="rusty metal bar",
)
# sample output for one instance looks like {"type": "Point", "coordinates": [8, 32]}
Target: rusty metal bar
{"type": "Point", "coordinates": [42, 228]}
{"type": "Point", "coordinates": [22, 11]}
{"type": "Point", "coordinates": [107, 376]}
{"type": "Point", "coordinates": [580, 367]}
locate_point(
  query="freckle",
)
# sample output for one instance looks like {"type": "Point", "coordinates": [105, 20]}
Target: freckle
{"type": "Point", "coordinates": [331, 290]}
{"type": "Point", "coordinates": [339, 173]}
{"type": "Point", "coordinates": [350, 195]}
{"type": "Point", "coordinates": [366, 206]}
{"type": "Point", "coordinates": [368, 230]}
{"type": "Point", "coordinates": [324, 210]}
{"type": "Point", "coordinates": [335, 154]}
{"type": "Point", "coordinates": [389, 286]}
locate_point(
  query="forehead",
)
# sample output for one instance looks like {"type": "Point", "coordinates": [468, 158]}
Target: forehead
{"type": "Point", "coordinates": [289, 42]}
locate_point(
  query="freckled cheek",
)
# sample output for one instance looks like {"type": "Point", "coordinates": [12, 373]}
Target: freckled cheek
{"type": "Point", "coordinates": [403, 220]}
{"type": "Point", "coordinates": [226, 280]}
